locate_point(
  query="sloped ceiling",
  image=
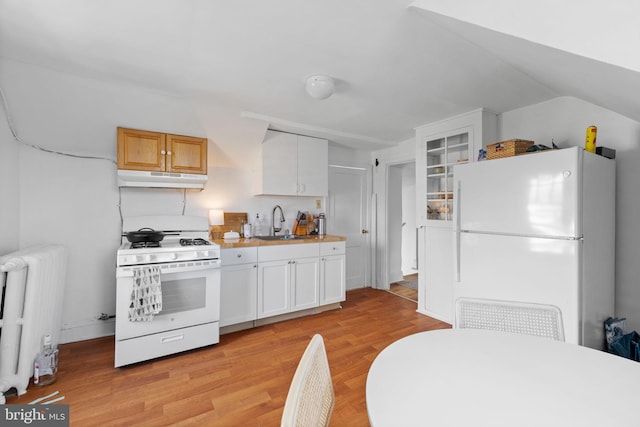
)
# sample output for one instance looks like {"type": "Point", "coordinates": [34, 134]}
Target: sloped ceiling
{"type": "Point", "coordinates": [575, 48]}
{"type": "Point", "coordinates": [397, 66]}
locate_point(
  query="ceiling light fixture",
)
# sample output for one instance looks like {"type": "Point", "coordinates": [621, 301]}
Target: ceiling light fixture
{"type": "Point", "coordinates": [320, 87]}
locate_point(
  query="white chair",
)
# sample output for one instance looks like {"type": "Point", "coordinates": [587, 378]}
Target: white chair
{"type": "Point", "coordinates": [311, 399]}
{"type": "Point", "coordinates": [510, 316]}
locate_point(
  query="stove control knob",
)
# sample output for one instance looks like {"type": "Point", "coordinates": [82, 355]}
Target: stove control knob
{"type": "Point", "coordinates": [173, 255]}
{"type": "Point", "coordinates": [148, 258]}
{"type": "Point", "coordinates": [137, 259]}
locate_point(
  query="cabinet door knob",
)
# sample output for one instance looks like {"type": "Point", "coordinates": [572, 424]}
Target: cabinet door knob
{"type": "Point", "coordinates": [169, 153]}
{"type": "Point", "coordinates": [364, 231]}
{"type": "Point", "coordinates": [163, 152]}
{"type": "Point", "coordinates": [239, 255]}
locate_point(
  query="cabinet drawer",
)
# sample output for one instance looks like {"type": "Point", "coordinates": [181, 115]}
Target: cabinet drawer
{"type": "Point", "coordinates": [332, 248]}
{"type": "Point", "coordinates": [162, 344]}
{"type": "Point", "coordinates": [235, 256]}
{"type": "Point", "coordinates": [290, 251]}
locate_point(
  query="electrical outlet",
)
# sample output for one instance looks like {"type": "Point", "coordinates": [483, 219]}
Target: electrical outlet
{"type": "Point", "coordinates": [318, 204]}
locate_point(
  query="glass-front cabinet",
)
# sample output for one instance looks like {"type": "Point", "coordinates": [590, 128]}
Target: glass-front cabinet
{"type": "Point", "coordinates": [442, 154]}
{"type": "Point", "coordinates": [440, 147]}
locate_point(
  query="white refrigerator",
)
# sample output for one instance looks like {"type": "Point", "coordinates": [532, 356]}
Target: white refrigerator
{"type": "Point", "coordinates": [539, 228]}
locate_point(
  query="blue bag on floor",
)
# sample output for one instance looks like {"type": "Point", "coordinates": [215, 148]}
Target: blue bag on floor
{"type": "Point", "coordinates": [620, 343]}
{"type": "Point", "coordinates": [628, 346]}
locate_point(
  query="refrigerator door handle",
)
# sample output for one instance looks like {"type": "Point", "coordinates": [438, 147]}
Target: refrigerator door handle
{"type": "Point", "coordinates": [456, 243]}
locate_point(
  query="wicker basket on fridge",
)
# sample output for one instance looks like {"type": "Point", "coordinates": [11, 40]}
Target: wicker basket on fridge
{"type": "Point", "coordinates": [509, 148]}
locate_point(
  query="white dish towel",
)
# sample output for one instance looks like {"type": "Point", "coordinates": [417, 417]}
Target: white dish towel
{"type": "Point", "coordinates": [146, 295]}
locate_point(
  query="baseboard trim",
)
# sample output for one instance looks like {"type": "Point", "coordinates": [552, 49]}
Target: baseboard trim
{"type": "Point", "coordinates": [95, 329]}
{"type": "Point", "coordinates": [280, 318]}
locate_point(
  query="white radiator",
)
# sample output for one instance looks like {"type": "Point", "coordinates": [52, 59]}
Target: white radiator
{"type": "Point", "coordinates": [32, 285]}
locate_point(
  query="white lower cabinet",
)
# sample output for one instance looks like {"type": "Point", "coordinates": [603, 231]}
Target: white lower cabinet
{"type": "Point", "coordinates": [332, 272]}
{"type": "Point", "coordinates": [305, 283]}
{"type": "Point", "coordinates": [274, 282]}
{"type": "Point", "coordinates": [288, 278]}
{"type": "Point", "coordinates": [435, 273]}
{"type": "Point", "coordinates": [238, 285]}
{"type": "Point", "coordinates": [266, 281]}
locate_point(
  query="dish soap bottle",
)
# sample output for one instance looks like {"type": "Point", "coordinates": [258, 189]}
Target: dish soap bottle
{"type": "Point", "coordinates": [257, 226]}
{"type": "Point", "coordinates": [247, 230]}
{"type": "Point", "coordinates": [45, 367]}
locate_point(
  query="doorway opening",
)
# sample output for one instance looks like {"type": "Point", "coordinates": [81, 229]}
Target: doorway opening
{"type": "Point", "coordinates": [402, 251]}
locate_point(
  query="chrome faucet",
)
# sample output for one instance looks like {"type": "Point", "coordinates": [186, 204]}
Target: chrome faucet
{"type": "Point", "coordinates": [275, 229]}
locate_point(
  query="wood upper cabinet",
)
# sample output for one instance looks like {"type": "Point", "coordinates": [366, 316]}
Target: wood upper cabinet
{"type": "Point", "coordinates": [186, 154]}
{"type": "Point", "coordinates": [159, 152]}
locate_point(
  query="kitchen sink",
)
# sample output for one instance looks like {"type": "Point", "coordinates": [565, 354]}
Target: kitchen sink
{"type": "Point", "coordinates": [279, 237]}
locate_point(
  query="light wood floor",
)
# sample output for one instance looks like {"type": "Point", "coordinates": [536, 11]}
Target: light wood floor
{"type": "Point", "coordinates": [243, 380]}
{"type": "Point", "coordinates": [404, 291]}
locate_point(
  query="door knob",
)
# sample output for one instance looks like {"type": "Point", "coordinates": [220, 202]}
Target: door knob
{"type": "Point", "coordinates": [364, 231]}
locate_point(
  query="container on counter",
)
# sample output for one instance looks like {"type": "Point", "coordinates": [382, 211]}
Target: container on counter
{"type": "Point", "coordinates": [257, 226]}
{"type": "Point", "coordinates": [322, 226]}
{"type": "Point", "coordinates": [590, 141]}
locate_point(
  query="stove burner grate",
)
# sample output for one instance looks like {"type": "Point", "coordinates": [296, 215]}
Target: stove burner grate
{"type": "Point", "coordinates": [137, 245]}
{"type": "Point", "coordinates": [193, 242]}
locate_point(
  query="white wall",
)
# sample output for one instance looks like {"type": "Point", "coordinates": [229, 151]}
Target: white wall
{"type": "Point", "coordinates": [409, 219]}
{"type": "Point", "coordinates": [394, 223]}
{"type": "Point", "coordinates": [75, 202]}
{"type": "Point", "coordinates": [9, 189]}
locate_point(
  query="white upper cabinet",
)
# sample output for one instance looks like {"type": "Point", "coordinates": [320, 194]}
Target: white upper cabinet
{"type": "Point", "coordinates": [440, 147]}
{"type": "Point", "coordinates": [313, 166]}
{"type": "Point", "coordinates": [294, 165]}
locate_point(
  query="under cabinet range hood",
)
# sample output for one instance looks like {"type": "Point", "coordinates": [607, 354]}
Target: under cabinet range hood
{"type": "Point", "coordinates": [131, 178]}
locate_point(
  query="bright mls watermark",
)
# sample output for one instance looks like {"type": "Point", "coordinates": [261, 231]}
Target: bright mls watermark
{"type": "Point", "coordinates": [34, 415]}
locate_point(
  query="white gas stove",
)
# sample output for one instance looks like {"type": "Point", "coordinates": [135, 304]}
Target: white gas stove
{"type": "Point", "coordinates": [182, 273]}
{"type": "Point", "coordinates": [185, 240]}
{"type": "Point", "coordinates": [167, 250]}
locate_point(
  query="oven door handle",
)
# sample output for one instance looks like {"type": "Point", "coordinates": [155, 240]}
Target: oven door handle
{"type": "Point", "coordinates": [169, 268]}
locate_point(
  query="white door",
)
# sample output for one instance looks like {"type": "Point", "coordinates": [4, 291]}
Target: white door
{"type": "Point", "coordinates": [347, 215]}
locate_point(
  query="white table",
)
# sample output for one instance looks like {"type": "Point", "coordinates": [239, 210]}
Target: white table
{"type": "Point", "coordinates": [470, 377]}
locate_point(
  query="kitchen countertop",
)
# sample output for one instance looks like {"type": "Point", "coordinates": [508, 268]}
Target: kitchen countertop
{"type": "Point", "coordinates": [251, 242]}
